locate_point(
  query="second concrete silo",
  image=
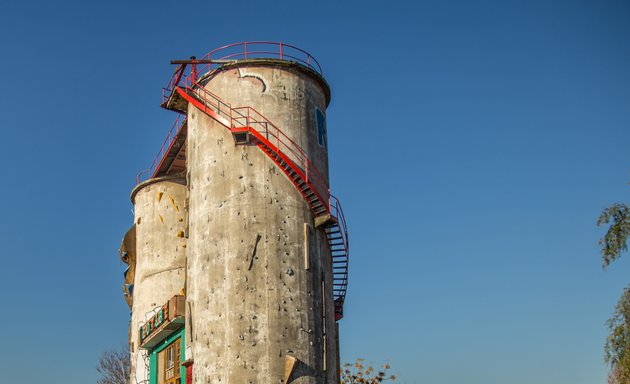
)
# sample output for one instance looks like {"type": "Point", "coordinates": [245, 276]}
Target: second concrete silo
{"type": "Point", "coordinates": [158, 259]}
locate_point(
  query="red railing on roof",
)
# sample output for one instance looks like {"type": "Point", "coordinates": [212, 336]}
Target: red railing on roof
{"type": "Point", "coordinates": [264, 49]}
{"type": "Point", "coordinates": [247, 50]}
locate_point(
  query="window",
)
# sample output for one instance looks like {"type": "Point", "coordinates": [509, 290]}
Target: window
{"type": "Point", "coordinates": [322, 135]}
{"type": "Point", "coordinates": [170, 360]}
{"type": "Point", "coordinates": [166, 361]}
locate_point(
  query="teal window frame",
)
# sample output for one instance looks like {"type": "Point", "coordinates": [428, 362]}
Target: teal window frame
{"type": "Point", "coordinates": [153, 371]}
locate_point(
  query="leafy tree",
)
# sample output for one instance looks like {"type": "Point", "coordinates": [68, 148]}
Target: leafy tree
{"type": "Point", "coordinates": [613, 244]}
{"type": "Point", "coordinates": [615, 241]}
{"type": "Point", "coordinates": [114, 366]}
{"type": "Point", "coordinates": [358, 373]}
{"type": "Point", "coordinates": [617, 349]}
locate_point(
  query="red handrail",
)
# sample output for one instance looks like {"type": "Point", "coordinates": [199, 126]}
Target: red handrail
{"type": "Point", "coordinates": [172, 133]}
{"type": "Point", "coordinates": [284, 144]}
{"type": "Point", "coordinates": [252, 50]}
{"type": "Point", "coordinates": [337, 212]}
{"type": "Point", "coordinates": [242, 117]}
{"type": "Point", "coordinates": [265, 49]}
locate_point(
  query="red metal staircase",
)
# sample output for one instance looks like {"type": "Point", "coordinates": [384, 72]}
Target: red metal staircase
{"type": "Point", "coordinates": [249, 127]}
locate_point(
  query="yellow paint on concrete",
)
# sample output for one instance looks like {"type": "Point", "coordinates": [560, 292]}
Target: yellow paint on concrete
{"type": "Point", "coordinates": [174, 205]}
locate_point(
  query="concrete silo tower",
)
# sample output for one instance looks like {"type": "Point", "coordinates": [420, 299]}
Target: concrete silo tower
{"type": "Point", "coordinates": [260, 241]}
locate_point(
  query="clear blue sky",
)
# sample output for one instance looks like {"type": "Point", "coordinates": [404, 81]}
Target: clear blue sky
{"type": "Point", "coordinates": [473, 144]}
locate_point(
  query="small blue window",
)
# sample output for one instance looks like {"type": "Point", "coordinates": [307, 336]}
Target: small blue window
{"type": "Point", "coordinates": [322, 135]}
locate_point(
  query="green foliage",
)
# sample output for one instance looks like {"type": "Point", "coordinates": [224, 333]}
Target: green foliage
{"type": "Point", "coordinates": [615, 240]}
{"type": "Point", "coordinates": [358, 373]}
{"type": "Point", "coordinates": [617, 349]}
{"type": "Point", "coordinates": [613, 244]}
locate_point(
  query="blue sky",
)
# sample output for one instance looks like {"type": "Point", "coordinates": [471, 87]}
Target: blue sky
{"type": "Point", "coordinates": [473, 144]}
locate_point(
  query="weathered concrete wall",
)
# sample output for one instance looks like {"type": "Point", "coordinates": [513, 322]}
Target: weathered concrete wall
{"type": "Point", "coordinates": [255, 298]}
{"type": "Point", "coordinates": [160, 219]}
{"type": "Point", "coordinates": [285, 95]}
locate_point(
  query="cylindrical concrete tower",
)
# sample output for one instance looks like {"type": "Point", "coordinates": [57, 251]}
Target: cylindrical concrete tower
{"type": "Point", "coordinates": [238, 272]}
{"type": "Point", "coordinates": [160, 223]}
{"type": "Point", "coordinates": [259, 277]}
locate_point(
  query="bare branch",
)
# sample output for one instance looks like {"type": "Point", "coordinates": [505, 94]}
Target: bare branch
{"type": "Point", "coordinates": [114, 366]}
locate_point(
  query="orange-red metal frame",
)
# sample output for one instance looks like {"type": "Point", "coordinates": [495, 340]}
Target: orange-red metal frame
{"type": "Point", "coordinates": [158, 161]}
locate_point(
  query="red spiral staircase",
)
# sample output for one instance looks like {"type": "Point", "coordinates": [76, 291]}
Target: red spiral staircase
{"type": "Point", "coordinates": [249, 127]}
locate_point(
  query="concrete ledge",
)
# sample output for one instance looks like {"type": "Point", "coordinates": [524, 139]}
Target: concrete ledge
{"type": "Point", "coordinates": [179, 179]}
